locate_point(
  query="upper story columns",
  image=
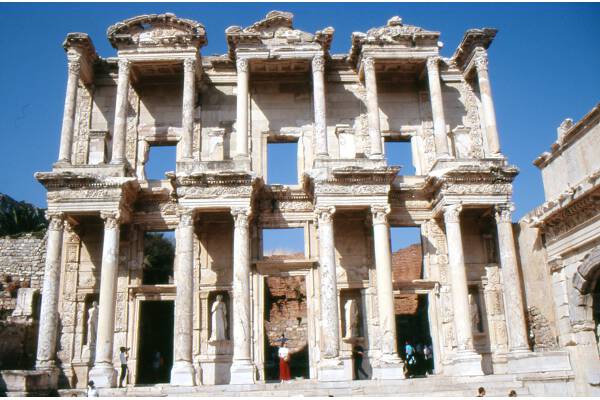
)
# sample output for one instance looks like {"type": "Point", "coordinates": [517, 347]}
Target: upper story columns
{"type": "Point", "coordinates": [243, 71]}
{"type": "Point", "coordinates": [487, 104]}
{"type": "Point", "coordinates": [187, 111]}
{"type": "Point", "coordinates": [68, 122]}
{"type": "Point", "coordinates": [437, 108]}
{"type": "Point", "coordinates": [372, 107]}
{"type": "Point", "coordinates": [120, 125]}
{"type": "Point", "coordinates": [318, 73]}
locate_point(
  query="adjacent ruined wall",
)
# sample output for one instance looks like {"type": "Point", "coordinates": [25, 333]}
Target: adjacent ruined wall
{"type": "Point", "coordinates": [406, 266]}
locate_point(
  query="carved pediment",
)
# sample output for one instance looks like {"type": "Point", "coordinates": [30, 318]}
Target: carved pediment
{"type": "Point", "coordinates": [156, 30]}
{"type": "Point", "coordinates": [276, 31]}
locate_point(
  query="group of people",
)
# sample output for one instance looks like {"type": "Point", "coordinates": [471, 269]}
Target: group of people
{"type": "Point", "coordinates": [418, 360]}
{"type": "Point", "coordinates": [481, 393]}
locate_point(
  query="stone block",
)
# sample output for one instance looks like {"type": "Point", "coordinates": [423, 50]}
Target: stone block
{"type": "Point", "coordinates": [528, 362]}
{"type": "Point", "coordinates": [20, 383]}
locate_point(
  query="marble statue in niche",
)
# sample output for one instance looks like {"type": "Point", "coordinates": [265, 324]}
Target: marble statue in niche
{"type": "Point", "coordinates": [218, 320]}
{"type": "Point", "coordinates": [474, 313]}
{"type": "Point", "coordinates": [92, 324]}
{"type": "Point", "coordinates": [351, 314]}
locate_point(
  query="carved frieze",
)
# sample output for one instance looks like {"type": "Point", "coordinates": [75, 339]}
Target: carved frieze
{"type": "Point", "coordinates": [571, 216]}
{"type": "Point", "coordinates": [472, 120]}
{"type": "Point", "coordinates": [81, 138]}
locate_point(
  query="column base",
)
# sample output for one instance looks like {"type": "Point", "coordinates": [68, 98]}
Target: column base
{"type": "Point", "coordinates": [332, 370]}
{"type": "Point", "coordinates": [389, 367]}
{"type": "Point", "coordinates": [525, 361]}
{"type": "Point", "coordinates": [104, 376]}
{"type": "Point", "coordinates": [182, 374]}
{"type": "Point", "coordinates": [242, 373]}
{"type": "Point", "coordinates": [466, 363]}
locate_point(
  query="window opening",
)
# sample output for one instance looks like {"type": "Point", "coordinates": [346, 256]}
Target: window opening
{"type": "Point", "coordinates": [283, 243]}
{"type": "Point", "coordinates": [282, 163]}
{"type": "Point", "coordinates": [399, 152]}
{"type": "Point", "coordinates": [161, 158]}
{"type": "Point", "coordinates": [159, 257]}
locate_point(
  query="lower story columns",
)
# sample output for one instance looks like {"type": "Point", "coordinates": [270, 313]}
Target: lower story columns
{"type": "Point", "coordinates": [103, 373]}
{"type": "Point", "coordinates": [182, 373]}
{"type": "Point", "coordinates": [242, 369]}
{"type": "Point", "coordinates": [390, 365]}
{"type": "Point", "coordinates": [467, 361]}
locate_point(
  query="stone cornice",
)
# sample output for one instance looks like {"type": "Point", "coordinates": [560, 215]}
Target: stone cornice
{"type": "Point", "coordinates": [69, 180]}
{"type": "Point", "coordinates": [394, 33]}
{"type": "Point", "coordinates": [163, 30]}
{"type": "Point", "coordinates": [357, 175]}
{"type": "Point", "coordinates": [569, 137]}
{"type": "Point", "coordinates": [472, 39]}
{"type": "Point", "coordinates": [276, 30]}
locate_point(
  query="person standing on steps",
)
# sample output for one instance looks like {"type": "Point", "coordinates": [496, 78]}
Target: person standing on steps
{"type": "Point", "coordinates": [481, 392]}
{"type": "Point", "coordinates": [284, 358]}
{"type": "Point", "coordinates": [92, 391]}
{"type": "Point", "coordinates": [123, 359]}
{"type": "Point", "coordinates": [357, 358]}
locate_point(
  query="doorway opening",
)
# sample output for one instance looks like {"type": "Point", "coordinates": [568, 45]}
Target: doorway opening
{"type": "Point", "coordinates": [286, 321]}
{"type": "Point", "coordinates": [155, 351]}
{"type": "Point", "coordinates": [412, 326]}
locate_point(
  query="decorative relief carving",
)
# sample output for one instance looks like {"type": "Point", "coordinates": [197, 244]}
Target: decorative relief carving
{"type": "Point", "coordinates": [241, 216]}
{"type": "Point", "coordinates": [481, 60]}
{"type": "Point", "coordinates": [452, 213]}
{"type": "Point", "coordinates": [351, 189]}
{"type": "Point", "coordinates": [131, 135]}
{"type": "Point", "coordinates": [81, 138]}
{"type": "Point", "coordinates": [215, 191]}
{"type": "Point", "coordinates": [503, 213]}
{"type": "Point", "coordinates": [472, 120]}
{"type": "Point", "coordinates": [324, 214]}
{"type": "Point", "coordinates": [111, 219]}
{"type": "Point", "coordinates": [380, 213]}
{"type": "Point", "coordinates": [241, 65]}
{"type": "Point", "coordinates": [56, 220]}
{"type": "Point", "coordinates": [318, 63]}
{"type": "Point", "coordinates": [571, 216]}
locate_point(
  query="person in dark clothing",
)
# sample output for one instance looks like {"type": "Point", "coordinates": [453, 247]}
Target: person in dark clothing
{"type": "Point", "coordinates": [357, 357]}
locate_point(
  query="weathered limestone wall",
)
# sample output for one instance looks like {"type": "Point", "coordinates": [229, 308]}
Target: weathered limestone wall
{"type": "Point", "coordinates": [577, 160]}
{"type": "Point", "coordinates": [351, 248]}
{"type": "Point", "coordinates": [160, 106]}
{"type": "Point", "coordinates": [22, 259]}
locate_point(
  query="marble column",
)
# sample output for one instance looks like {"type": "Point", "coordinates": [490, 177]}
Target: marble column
{"type": "Point", "coordinates": [372, 108]}
{"type": "Point", "coordinates": [103, 373]}
{"type": "Point", "coordinates": [330, 334]}
{"type": "Point", "coordinates": [187, 113]}
{"type": "Point", "coordinates": [318, 70]}
{"type": "Point", "coordinates": [242, 65]}
{"type": "Point", "coordinates": [467, 360]}
{"type": "Point", "coordinates": [487, 104]}
{"type": "Point", "coordinates": [182, 373]}
{"type": "Point", "coordinates": [120, 125]}
{"type": "Point", "coordinates": [511, 281]}
{"type": "Point", "coordinates": [385, 290]}
{"type": "Point", "coordinates": [68, 122]}
{"type": "Point", "coordinates": [437, 108]}
{"type": "Point", "coordinates": [48, 328]}
{"type": "Point", "coordinates": [242, 369]}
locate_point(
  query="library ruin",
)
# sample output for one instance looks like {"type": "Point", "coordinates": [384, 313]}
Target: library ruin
{"type": "Point", "coordinates": [208, 318]}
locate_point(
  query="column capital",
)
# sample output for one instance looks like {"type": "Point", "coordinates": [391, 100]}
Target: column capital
{"type": "Point", "coordinates": [452, 213]}
{"type": "Point", "coordinates": [433, 62]}
{"type": "Point", "coordinates": [481, 60]}
{"type": "Point", "coordinates": [186, 217]}
{"type": "Point", "coordinates": [369, 64]}
{"type": "Point", "coordinates": [189, 64]}
{"type": "Point", "coordinates": [241, 216]}
{"type": "Point", "coordinates": [241, 64]}
{"type": "Point", "coordinates": [112, 219]}
{"type": "Point", "coordinates": [324, 214]}
{"type": "Point", "coordinates": [503, 212]}
{"type": "Point", "coordinates": [74, 65]}
{"type": "Point", "coordinates": [124, 65]}
{"type": "Point", "coordinates": [56, 220]}
{"type": "Point", "coordinates": [380, 213]}
{"type": "Point", "coordinates": [318, 63]}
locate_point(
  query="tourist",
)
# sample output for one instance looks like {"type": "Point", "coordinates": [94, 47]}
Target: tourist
{"type": "Point", "coordinates": [123, 359]}
{"type": "Point", "coordinates": [157, 363]}
{"type": "Point", "coordinates": [428, 358]}
{"type": "Point", "coordinates": [284, 358]}
{"type": "Point", "coordinates": [92, 391]}
{"type": "Point", "coordinates": [357, 358]}
{"type": "Point", "coordinates": [481, 392]}
{"type": "Point", "coordinates": [411, 361]}
{"type": "Point", "coordinates": [512, 393]}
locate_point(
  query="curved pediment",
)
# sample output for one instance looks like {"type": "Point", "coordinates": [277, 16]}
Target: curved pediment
{"type": "Point", "coordinates": [156, 30]}
{"type": "Point", "coordinates": [274, 32]}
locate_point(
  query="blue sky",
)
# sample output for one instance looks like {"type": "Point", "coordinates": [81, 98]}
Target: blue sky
{"type": "Point", "coordinates": [544, 67]}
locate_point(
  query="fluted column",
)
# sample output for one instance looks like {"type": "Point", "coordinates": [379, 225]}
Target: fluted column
{"type": "Point", "coordinates": [385, 290]}
{"type": "Point", "coordinates": [437, 108]}
{"type": "Point", "coordinates": [460, 293]}
{"type": "Point", "coordinates": [318, 69]}
{"type": "Point", "coordinates": [120, 125]}
{"type": "Point", "coordinates": [330, 334]}
{"type": "Point", "coordinates": [485, 91]}
{"type": "Point", "coordinates": [372, 107]}
{"type": "Point", "coordinates": [242, 108]}
{"type": "Point", "coordinates": [68, 122]}
{"type": "Point", "coordinates": [182, 373]}
{"type": "Point", "coordinates": [242, 369]}
{"type": "Point", "coordinates": [46, 348]}
{"type": "Point", "coordinates": [515, 315]}
{"type": "Point", "coordinates": [187, 113]}
{"type": "Point", "coordinates": [103, 372]}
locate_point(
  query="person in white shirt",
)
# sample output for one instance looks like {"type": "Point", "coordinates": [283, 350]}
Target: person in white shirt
{"type": "Point", "coordinates": [92, 391]}
{"type": "Point", "coordinates": [123, 359]}
{"type": "Point", "coordinates": [284, 358]}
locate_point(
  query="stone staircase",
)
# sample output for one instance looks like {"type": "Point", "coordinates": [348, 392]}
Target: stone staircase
{"type": "Point", "coordinates": [495, 385]}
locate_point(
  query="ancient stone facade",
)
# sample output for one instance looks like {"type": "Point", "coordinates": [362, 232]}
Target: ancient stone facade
{"type": "Point", "coordinates": [560, 245]}
{"type": "Point", "coordinates": [280, 84]}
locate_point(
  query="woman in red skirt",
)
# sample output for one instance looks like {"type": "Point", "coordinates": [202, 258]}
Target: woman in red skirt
{"type": "Point", "coordinates": [284, 366]}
